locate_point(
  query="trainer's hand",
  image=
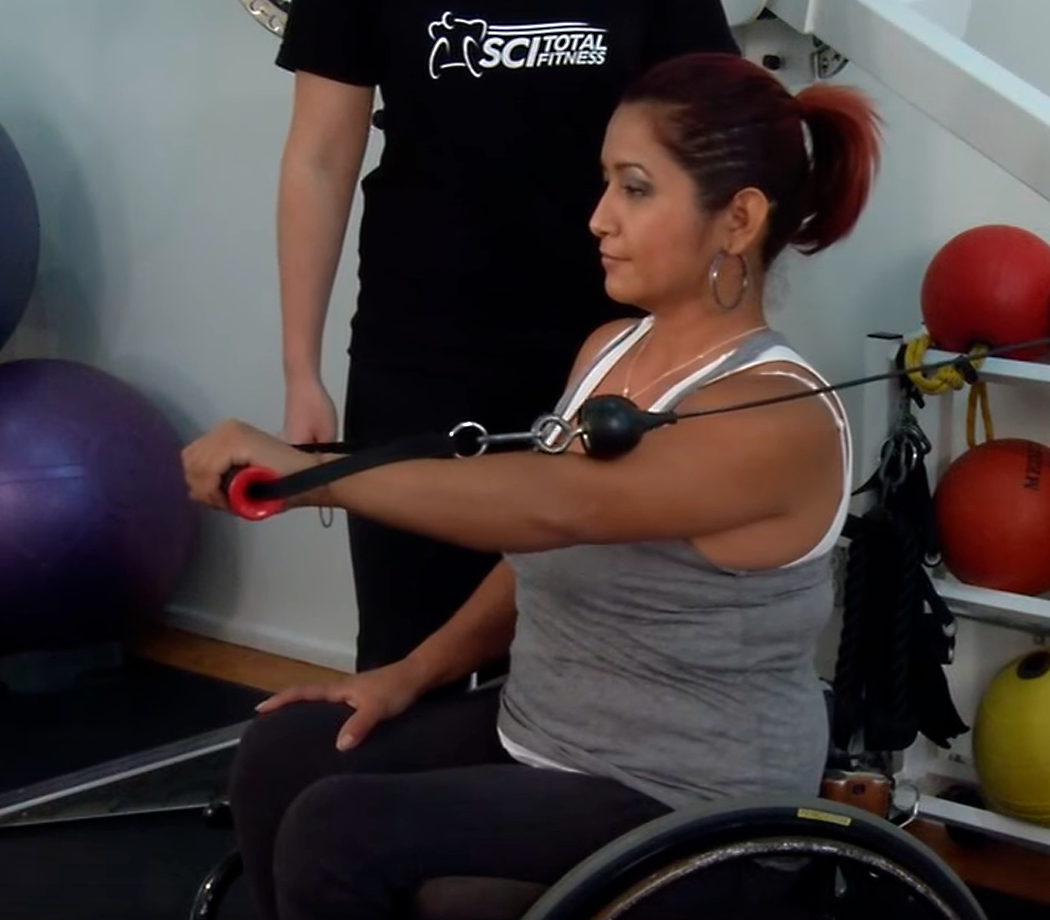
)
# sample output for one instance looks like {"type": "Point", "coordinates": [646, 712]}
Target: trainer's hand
{"type": "Point", "coordinates": [309, 413]}
{"type": "Point", "coordinates": [374, 696]}
{"type": "Point", "coordinates": [231, 444]}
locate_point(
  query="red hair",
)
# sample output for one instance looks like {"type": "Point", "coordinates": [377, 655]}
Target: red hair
{"type": "Point", "coordinates": [732, 125]}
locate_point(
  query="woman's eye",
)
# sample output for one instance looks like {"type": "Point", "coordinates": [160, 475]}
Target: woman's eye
{"type": "Point", "coordinates": [635, 191]}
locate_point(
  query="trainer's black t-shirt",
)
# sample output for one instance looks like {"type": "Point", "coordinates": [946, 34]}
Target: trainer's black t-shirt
{"type": "Point", "coordinates": [474, 240]}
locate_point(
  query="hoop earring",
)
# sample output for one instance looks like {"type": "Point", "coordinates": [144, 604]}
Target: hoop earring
{"type": "Point", "coordinates": [716, 267]}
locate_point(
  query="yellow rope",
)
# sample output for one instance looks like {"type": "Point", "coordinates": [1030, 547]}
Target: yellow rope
{"type": "Point", "coordinates": [950, 378]}
{"type": "Point", "coordinates": [978, 398]}
{"type": "Point", "coordinates": [944, 378]}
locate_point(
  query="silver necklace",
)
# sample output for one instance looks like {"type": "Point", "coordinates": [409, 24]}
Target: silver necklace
{"type": "Point", "coordinates": [693, 360]}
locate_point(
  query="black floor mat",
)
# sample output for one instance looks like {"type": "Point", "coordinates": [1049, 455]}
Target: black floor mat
{"type": "Point", "coordinates": [137, 709]}
{"type": "Point", "coordinates": [121, 868]}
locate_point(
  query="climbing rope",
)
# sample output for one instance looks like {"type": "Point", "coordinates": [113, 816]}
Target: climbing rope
{"type": "Point", "coordinates": [950, 377]}
{"type": "Point", "coordinates": [906, 605]}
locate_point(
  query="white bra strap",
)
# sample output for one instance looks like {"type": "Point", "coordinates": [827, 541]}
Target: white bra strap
{"type": "Point", "coordinates": [616, 349]}
{"type": "Point", "coordinates": [838, 413]}
{"type": "Point", "coordinates": [683, 386]}
{"type": "Point", "coordinates": [829, 399]}
{"type": "Point", "coordinates": [768, 356]}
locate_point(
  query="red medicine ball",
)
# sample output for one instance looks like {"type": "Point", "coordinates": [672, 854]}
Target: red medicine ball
{"type": "Point", "coordinates": [989, 286]}
{"type": "Point", "coordinates": [993, 516]}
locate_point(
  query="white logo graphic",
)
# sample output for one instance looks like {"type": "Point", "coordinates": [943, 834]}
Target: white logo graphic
{"type": "Point", "coordinates": [476, 46]}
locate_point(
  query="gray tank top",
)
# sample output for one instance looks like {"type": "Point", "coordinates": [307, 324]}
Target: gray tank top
{"type": "Point", "coordinates": [647, 664]}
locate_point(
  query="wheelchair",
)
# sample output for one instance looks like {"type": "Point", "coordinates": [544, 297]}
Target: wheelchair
{"type": "Point", "coordinates": [841, 863]}
{"type": "Point", "coordinates": [838, 862]}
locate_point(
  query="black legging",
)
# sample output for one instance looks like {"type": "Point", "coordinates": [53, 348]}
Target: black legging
{"type": "Point", "coordinates": [431, 794]}
{"type": "Point", "coordinates": [351, 836]}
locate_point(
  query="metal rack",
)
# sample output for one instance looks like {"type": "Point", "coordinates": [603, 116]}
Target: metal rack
{"type": "Point", "coordinates": [994, 626]}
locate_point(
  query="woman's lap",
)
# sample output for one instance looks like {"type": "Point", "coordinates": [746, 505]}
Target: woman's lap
{"type": "Point", "coordinates": [361, 845]}
{"type": "Point", "coordinates": [431, 794]}
{"type": "Point", "coordinates": [434, 786]}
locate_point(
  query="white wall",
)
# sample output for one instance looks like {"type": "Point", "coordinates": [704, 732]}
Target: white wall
{"type": "Point", "coordinates": [952, 15]}
{"type": "Point", "coordinates": [153, 139]}
{"type": "Point", "coordinates": [152, 133]}
{"type": "Point", "coordinates": [1013, 33]}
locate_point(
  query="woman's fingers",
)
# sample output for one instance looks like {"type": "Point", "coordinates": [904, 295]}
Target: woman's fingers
{"type": "Point", "coordinates": [358, 727]}
{"type": "Point", "coordinates": [369, 709]}
{"type": "Point", "coordinates": [310, 693]}
{"type": "Point", "coordinates": [207, 459]}
{"type": "Point", "coordinates": [203, 466]}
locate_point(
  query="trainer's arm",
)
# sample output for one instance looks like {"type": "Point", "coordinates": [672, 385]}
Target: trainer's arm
{"type": "Point", "coordinates": [320, 167]}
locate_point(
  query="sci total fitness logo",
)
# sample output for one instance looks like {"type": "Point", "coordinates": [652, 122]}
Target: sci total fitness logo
{"type": "Point", "coordinates": [476, 46]}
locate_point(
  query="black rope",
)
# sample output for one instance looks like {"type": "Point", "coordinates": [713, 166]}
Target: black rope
{"type": "Point", "coordinates": [906, 603]}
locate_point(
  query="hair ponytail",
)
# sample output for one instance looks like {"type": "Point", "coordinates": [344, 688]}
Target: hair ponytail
{"type": "Point", "coordinates": [732, 125]}
{"type": "Point", "coordinates": [843, 145]}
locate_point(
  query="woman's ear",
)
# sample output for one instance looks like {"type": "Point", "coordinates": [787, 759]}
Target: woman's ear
{"type": "Point", "coordinates": [744, 221]}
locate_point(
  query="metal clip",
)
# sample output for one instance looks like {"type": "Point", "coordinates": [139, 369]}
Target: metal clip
{"type": "Point", "coordinates": [551, 434]}
{"type": "Point", "coordinates": [472, 439]}
{"type": "Point", "coordinates": [909, 814]}
{"type": "Point", "coordinates": [904, 448]}
{"type": "Point", "coordinates": [826, 61]}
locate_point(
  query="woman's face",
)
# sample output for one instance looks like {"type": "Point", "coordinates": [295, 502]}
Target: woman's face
{"type": "Point", "coordinates": [656, 243]}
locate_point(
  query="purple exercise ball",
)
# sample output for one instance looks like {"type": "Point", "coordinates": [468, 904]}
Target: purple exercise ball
{"type": "Point", "coordinates": [95, 523]}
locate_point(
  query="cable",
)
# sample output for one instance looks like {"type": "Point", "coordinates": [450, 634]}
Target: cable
{"type": "Point", "coordinates": [609, 427]}
{"type": "Point", "coordinates": [963, 363]}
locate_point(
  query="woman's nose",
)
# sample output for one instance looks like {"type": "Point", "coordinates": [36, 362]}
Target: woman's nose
{"type": "Point", "coordinates": [601, 219]}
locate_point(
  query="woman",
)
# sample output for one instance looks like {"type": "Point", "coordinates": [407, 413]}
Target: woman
{"type": "Point", "coordinates": [661, 610]}
{"type": "Point", "coordinates": [473, 237]}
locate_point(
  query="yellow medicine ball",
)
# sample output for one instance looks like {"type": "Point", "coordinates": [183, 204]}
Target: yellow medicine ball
{"type": "Point", "coordinates": [1011, 740]}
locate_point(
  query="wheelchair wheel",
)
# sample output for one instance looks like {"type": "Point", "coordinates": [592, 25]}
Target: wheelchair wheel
{"type": "Point", "coordinates": [826, 861]}
{"type": "Point", "coordinates": [214, 887]}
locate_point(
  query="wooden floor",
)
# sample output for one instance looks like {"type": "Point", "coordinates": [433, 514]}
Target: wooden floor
{"type": "Point", "coordinates": [1009, 869]}
{"type": "Point", "coordinates": [230, 662]}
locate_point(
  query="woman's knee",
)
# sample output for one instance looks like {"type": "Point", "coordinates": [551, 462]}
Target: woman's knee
{"type": "Point", "coordinates": [282, 753]}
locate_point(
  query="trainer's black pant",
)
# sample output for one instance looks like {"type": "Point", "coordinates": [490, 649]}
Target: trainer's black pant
{"type": "Point", "coordinates": [408, 586]}
{"type": "Point", "coordinates": [351, 836]}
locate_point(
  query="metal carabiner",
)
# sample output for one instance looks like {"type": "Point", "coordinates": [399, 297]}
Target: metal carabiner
{"type": "Point", "coordinates": [482, 440]}
{"type": "Point", "coordinates": [551, 434]}
{"type": "Point", "coordinates": [893, 467]}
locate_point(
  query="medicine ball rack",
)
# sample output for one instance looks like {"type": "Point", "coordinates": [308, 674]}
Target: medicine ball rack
{"type": "Point", "coordinates": [994, 626]}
